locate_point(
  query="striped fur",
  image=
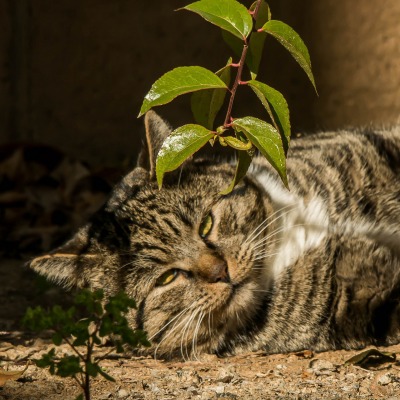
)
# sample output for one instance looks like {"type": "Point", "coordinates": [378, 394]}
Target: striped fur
{"type": "Point", "coordinates": [316, 267]}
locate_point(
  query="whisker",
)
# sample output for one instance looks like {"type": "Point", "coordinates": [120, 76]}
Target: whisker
{"type": "Point", "coordinates": [169, 322]}
{"type": "Point", "coordinates": [274, 233]}
{"type": "Point", "coordinates": [195, 335]}
{"type": "Point", "coordinates": [267, 222]}
{"type": "Point", "coordinates": [174, 327]}
{"type": "Point", "coordinates": [185, 333]}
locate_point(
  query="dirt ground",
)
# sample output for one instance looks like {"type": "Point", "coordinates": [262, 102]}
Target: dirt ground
{"type": "Point", "coordinates": [248, 376]}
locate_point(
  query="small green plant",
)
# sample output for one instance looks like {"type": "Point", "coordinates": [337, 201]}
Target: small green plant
{"type": "Point", "coordinates": [99, 320]}
{"type": "Point", "coordinates": [244, 30]}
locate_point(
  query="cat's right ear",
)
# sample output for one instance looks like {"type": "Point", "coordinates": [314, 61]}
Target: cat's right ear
{"type": "Point", "coordinates": [157, 131]}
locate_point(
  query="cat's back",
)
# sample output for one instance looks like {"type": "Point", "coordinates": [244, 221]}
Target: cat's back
{"type": "Point", "coordinates": [346, 162]}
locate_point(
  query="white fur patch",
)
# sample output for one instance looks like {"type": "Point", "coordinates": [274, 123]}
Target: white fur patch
{"type": "Point", "coordinates": [302, 226]}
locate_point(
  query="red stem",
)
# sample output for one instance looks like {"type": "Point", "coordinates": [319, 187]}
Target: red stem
{"type": "Point", "coordinates": [256, 10]}
{"type": "Point", "coordinates": [238, 79]}
{"type": "Point", "coordinates": [235, 86]}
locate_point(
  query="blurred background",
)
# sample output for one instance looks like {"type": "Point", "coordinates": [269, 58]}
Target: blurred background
{"type": "Point", "coordinates": [73, 73]}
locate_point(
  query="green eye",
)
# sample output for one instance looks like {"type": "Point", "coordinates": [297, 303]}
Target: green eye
{"type": "Point", "coordinates": [205, 226]}
{"type": "Point", "coordinates": [167, 277]}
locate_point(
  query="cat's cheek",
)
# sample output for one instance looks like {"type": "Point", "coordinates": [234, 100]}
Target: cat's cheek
{"type": "Point", "coordinates": [238, 271]}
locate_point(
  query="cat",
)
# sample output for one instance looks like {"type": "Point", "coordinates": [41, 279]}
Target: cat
{"type": "Point", "coordinates": [262, 268]}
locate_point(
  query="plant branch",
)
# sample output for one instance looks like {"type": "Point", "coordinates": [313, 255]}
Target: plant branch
{"type": "Point", "coordinates": [74, 348]}
{"type": "Point", "coordinates": [256, 10]}
{"type": "Point", "coordinates": [235, 85]}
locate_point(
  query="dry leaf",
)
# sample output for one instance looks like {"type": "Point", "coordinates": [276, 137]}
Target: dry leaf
{"type": "Point", "coordinates": [10, 375]}
{"type": "Point", "coordinates": [371, 357]}
{"type": "Point", "coordinates": [304, 354]}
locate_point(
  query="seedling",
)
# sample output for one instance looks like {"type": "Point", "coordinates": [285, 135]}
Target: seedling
{"type": "Point", "coordinates": [244, 30]}
{"type": "Point", "coordinates": [83, 334]}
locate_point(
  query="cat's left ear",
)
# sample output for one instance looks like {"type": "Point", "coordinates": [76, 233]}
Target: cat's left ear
{"type": "Point", "coordinates": [69, 264]}
{"type": "Point", "coordinates": [157, 130]}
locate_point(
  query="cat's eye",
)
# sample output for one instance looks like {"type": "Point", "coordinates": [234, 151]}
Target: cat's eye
{"type": "Point", "coordinates": [206, 225]}
{"type": "Point", "coordinates": [167, 277]}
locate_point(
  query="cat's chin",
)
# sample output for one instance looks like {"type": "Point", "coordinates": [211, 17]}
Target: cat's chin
{"type": "Point", "coordinates": [238, 310]}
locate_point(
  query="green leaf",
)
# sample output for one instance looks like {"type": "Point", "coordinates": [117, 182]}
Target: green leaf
{"type": "Point", "coordinates": [207, 103]}
{"type": "Point", "coordinates": [68, 366]}
{"type": "Point", "coordinates": [179, 146]}
{"type": "Point", "coordinates": [291, 40]}
{"type": "Point", "coordinates": [267, 139]}
{"type": "Point", "coordinates": [179, 81]}
{"type": "Point", "coordinates": [92, 369]}
{"type": "Point", "coordinates": [243, 164]}
{"type": "Point", "coordinates": [277, 108]}
{"type": "Point", "coordinates": [257, 39]}
{"type": "Point", "coordinates": [236, 143]}
{"type": "Point", "coordinates": [264, 13]}
{"type": "Point", "coordinates": [229, 15]}
{"type": "Point", "coordinates": [233, 42]}
{"type": "Point", "coordinates": [105, 375]}
{"type": "Point", "coordinates": [57, 339]}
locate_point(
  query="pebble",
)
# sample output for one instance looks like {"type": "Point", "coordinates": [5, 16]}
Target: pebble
{"type": "Point", "coordinates": [385, 379]}
{"type": "Point", "coordinates": [218, 389]}
{"type": "Point", "coordinates": [105, 396]}
{"type": "Point", "coordinates": [122, 393]}
{"type": "Point", "coordinates": [322, 367]}
{"type": "Point", "coordinates": [193, 391]}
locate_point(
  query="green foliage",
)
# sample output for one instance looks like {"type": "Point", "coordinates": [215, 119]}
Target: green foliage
{"type": "Point", "coordinates": [293, 43]}
{"type": "Point", "coordinates": [245, 31]}
{"type": "Point", "coordinates": [207, 103]}
{"type": "Point", "coordinates": [179, 146]}
{"type": "Point", "coordinates": [226, 14]}
{"type": "Point", "coordinates": [100, 319]}
{"type": "Point", "coordinates": [179, 81]}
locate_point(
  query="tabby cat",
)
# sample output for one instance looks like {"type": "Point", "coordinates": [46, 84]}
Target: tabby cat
{"type": "Point", "coordinates": [263, 268]}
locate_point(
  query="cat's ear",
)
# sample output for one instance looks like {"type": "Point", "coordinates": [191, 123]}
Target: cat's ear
{"type": "Point", "coordinates": [157, 131]}
{"type": "Point", "coordinates": [68, 264]}
{"type": "Point", "coordinates": [127, 187]}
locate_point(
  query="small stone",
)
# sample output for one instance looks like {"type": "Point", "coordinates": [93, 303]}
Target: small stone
{"type": "Point", "coordinates": [385, 379]}
{"type": "Point", "coordinates": [193, 391]}
{"type": "Point", "coordinates": [225, 377]}
{"type": "Point", "coordinates": [218, 389]}
{"type": "Point", "coordinates": [322, 367]}
{"type": "Point", "coordinates": [122, 393]}
{"type": "Point", "coordinates": [105, 396]}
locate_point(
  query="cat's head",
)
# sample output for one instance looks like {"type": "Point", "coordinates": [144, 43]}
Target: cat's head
{"type": "Point", "coordinates": [188, 255]}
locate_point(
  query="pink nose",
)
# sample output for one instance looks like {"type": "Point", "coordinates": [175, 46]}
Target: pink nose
{"type": "Point", "coordinates": [213, 269]}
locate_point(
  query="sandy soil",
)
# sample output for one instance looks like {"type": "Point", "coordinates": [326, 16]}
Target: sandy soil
{"type": "Point", "coordinates": [249, 376]}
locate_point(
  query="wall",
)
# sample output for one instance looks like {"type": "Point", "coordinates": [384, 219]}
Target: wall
{"type": "Point", "coordinates": [73, 73]}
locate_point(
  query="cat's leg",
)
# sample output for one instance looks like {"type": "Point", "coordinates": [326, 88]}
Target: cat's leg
{"type": "Point", "coordinates": [367, 310]}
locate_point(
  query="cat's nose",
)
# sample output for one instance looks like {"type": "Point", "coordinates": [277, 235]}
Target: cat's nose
{"type": "Point", "coordinates": [213, 269]}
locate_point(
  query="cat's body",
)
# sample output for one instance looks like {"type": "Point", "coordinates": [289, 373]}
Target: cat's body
{"type": "Point", "coordinates": [316, 267]}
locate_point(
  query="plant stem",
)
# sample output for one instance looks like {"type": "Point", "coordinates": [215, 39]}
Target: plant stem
{"type": "Point", "coordinates": [240, 66]}
{"type": "Point", "coordinates": [235, 85]}
{"type": "Point", "coordinates": [88, 360]}
{"type": "Point", "coordinates": [74, 348]}
{"type": "Point", "coordinates": [256, 10]}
